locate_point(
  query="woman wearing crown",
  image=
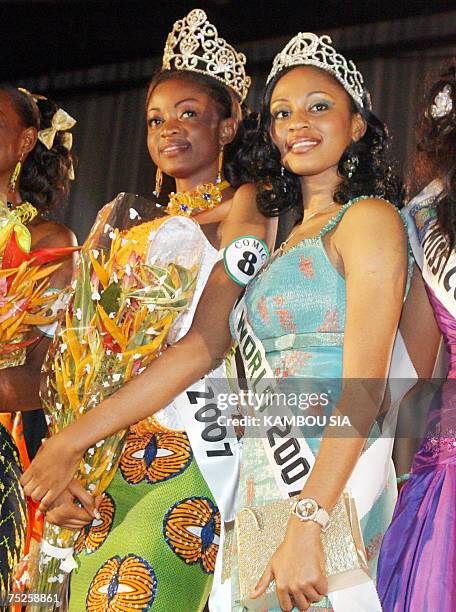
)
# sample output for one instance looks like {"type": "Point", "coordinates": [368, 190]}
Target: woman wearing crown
{"type": "Point", "coordinates": [323, 154]}
{"type": "Point", "coordinates": [309, 314]}
{"type": "Point", "coordinates": [155, 538]}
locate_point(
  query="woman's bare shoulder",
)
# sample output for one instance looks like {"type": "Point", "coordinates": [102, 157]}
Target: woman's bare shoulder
{"type": "Point", "coordinates": [52, 234]}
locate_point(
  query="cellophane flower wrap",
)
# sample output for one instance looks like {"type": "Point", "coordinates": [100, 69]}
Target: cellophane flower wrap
{"type": "Point", "coordinates": [135, 277]}
{"type": "Point", "coordinates": [24, 282]}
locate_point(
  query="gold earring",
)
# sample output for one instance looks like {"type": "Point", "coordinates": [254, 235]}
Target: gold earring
{"type": "Point", "coordinates": [158, 182]}
{"type": "Point", "coordinates": [220, 167]}
{"type": "Point", "coordinates": [14, 177]}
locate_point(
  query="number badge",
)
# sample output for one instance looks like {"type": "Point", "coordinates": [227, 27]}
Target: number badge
{"type": "Point", "coordinates": [244, 257]}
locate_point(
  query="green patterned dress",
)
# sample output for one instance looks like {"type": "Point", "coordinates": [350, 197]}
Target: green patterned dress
{"type": "Point", "coordinates": [155, 545]}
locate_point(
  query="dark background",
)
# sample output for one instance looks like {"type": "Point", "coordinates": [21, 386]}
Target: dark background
{"type": "Point", "coordinates": [43, 37]}
{"type": "Point", "coordinates": [95, 59]}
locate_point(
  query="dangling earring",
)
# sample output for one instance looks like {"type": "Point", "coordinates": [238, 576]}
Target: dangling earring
{"type": "Point", "coordinates": [282, 174]}
{"type": "Point", "coordinates": [350, 165]}
{"type": "Point", "coordinates": [158, 182]}
{"type": "Point", "coordinates": [220, 167]}
{"type": "Point", "coordinates": [14, 177]}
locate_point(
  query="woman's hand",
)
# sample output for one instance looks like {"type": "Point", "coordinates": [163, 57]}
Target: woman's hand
{"type": "Point", "coordinates": [52, 470]}
{"type": "Point", "coordinates": [297, 567]}
{"type": "Point", "coordinates": [65, 512]}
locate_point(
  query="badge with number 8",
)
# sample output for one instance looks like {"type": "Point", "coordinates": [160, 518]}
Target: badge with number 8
{"type": "Point", "coordinates": [244, 257]}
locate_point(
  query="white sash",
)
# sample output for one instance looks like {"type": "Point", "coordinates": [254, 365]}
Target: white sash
{"type": "Point", "coordinates": [364, 488]}
{"type": "Point", "coordinates": [215, 446]}
{"type": "Point", "coordinates": [428, 245]}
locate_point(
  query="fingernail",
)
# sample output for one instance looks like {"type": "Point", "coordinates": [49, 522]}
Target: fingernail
{"type": "Point", "coordinates": [38, 514]}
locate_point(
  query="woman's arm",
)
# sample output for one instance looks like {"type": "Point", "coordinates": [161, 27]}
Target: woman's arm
{"type": "Point", "coordinates": [372, 245]}
{"type": "Point", "coordinates": [180, 366]}
{"type": "Point", "coordinates": [19, 386]}
{"type": "Point", "coordinates": [419, 328]}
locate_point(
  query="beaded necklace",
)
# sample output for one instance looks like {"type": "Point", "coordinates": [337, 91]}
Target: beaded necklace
{"type": "Point", "coordinates": [24, 213]}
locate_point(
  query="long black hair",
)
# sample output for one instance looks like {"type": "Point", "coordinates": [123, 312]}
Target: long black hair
{"type": "Point", "coordinates": [279, 190]}
{"type": "Point", "coordinates": [45, 174]}
{"type": "Point", "coordinates": [233, 169]}
{"type": "Point", "coordinates": [436, 152]}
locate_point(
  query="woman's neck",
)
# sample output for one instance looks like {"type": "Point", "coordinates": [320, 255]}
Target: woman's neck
{"type": "Point", "coordinates": [13, 197]}
{"type": "Point", "coordinates": [318, 191]}
{"type": "Point", "coordinates": [190, 183]}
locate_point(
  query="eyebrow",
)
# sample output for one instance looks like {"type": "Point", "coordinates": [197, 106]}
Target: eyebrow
{"type": "Point", "coordinates": [311, 93]}
{"type": "Point", "coordinates": [176, 105]}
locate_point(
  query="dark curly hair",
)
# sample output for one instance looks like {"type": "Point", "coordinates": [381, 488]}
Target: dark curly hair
{"type": "Point", "coordinates": [279, 190]}
{"type": "Point", "coordinates": [436, 154]}
{"type": "Point", "coordinates": [45, 174]}
{"type": "Point", "coordinates": [233, 169]}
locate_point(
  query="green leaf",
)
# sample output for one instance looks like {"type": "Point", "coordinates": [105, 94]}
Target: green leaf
{"type": "Point", "coordinates": [110, 298]}
{"type": "Point", "coordinates": [83, 303]}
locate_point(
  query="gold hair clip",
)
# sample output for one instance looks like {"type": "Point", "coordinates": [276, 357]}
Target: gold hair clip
{"type": "Point", "coordinates": [36, 97]}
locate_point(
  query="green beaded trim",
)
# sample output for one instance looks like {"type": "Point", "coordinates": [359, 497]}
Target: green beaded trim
{"type": "Point", "coordinates": [331, 224]}
{"type": "Point", "coordinates": [403, 478]}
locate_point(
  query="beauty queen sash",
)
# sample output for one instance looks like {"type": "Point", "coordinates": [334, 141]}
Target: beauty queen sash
{"type": "Point", "coordinates": [214, 446]}
{"type": "Point", "coordinates": [429, 246]}
{"type": "Point", "coordinates": [292, 467]}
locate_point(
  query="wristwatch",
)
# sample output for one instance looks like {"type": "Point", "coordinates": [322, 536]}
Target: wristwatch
{"type": "Point", "coordinates": [308, 510]}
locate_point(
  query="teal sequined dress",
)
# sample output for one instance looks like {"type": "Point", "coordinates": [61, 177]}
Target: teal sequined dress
{"type": "Point", "coordinates": [296, 307]}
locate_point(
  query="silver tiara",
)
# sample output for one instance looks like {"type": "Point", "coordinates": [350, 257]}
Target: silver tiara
{"type": "Point", "coordinates": [308, 49]}
{"type": "Point", "coordinates": [194, 45]}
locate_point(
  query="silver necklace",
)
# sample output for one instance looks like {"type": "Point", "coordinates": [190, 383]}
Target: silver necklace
{"type": "Point", "coordinates": [282, 247]}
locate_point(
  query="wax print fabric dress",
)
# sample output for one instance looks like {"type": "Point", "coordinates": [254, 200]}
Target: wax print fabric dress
{"type": "Point", "coordinates": [296, 307]}
{"type": "Point", "coordinates": [155, 545]}
{"type": "Point", "coordinates": [417, 569]}
{"type": "Point", "coordinates": [13, 510]}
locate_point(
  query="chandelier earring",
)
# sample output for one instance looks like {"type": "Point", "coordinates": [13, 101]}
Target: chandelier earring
{"type": "Point", "coordinates": [351, 165]}
{"type": "Point", "coordinates": [158, 182]}
{"type": "Point", "coordinates": [15, 176]}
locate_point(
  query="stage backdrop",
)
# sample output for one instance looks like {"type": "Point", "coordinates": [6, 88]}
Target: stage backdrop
{"type": "Point", "coordinates": [396, 58]}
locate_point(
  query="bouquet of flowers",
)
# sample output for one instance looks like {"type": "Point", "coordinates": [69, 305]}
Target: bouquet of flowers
{"type": "Point", "coordinates": [24, 281]}
{"type": "Point", "coordinates": [123, 305]}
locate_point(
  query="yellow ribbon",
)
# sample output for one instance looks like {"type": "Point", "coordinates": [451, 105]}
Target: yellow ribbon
{"type": "Point", "coordinates": [61, 121]}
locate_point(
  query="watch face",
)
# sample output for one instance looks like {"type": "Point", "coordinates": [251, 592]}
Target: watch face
{"type": "Point", "coordinates": [308, 508]}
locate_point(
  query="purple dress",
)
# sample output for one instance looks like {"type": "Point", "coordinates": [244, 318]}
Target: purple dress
{"type": "Point", "coordinates": [417, 565]}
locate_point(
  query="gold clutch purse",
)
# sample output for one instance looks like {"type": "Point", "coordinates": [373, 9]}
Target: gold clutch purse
{"type": "Point", "coordinates": [260, 530]}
